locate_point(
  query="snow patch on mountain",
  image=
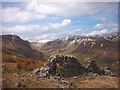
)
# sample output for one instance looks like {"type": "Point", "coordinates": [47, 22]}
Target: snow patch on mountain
{"type": "Point", "coordinates": [110, 36]}
{"type": "Point", "coordinates": [72, 42]}
{"type": "Point", "coordinates": [84, 39]}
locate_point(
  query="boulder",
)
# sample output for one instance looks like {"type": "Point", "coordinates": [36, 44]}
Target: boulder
{"type": "Point", "coordinates": [75, 77]}
{"type": "Point", "coordinates": [63, 66]}
{"type": "Point", "coordinates": [91, 67]}
{"type": "Point", "coordinates": [107, 71]}
{"type": "Point", "coordinates": [43, 75]}
{"type": "Point", "coordinates": [36, 71]}
{"type": "Point", "coordinates": [95, 74]}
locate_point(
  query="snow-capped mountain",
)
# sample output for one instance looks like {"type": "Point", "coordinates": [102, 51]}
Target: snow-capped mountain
{"type": "Point", "coordinates": [103, 48]}
{"type": "Point", "coordinates": [111, 36]}
{"type": "Point", "coordinates": [77, 40]}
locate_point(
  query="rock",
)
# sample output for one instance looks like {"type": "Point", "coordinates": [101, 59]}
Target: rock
{"type": "Point", "coordinates": [70, 85]}
{"type": "Point", "coordinates": [57, 78]}
{"type": "Point", "coordinates": [112, 74]}
{"type": "Point", "coordinates": [75, 77]}
{"type": "Point", "coordinates": [107, 71]}
{"type": "Point", "coordinates": [91, 66]}
{"type": "Point", "coordinates": [106, 68]}
{"type": "Point", "coordinates": [15, 74]}
{"type": "Point", "coordinates": [62, 66]}
{"type": "Point", "coordinates": [63, 82]}
{"type": "Point", "coordinates": [41, 68]}
{"type": "Point", "coordinates": [31, 75]}
{"type": "Point", "coordinates": [55, 86]}
{"type": "Point", "coordinates": [36, 71]}
{"type": "Point", "coordinates": [95, 74]}
{"type": "Point", "coordinates": [43, 75]}
{"type": "Point", "coordinates": [37, 77]}
{"type": "Point", "coordinates": [89, 77]}
{"type": "Point", "coordinates": [89, 74]}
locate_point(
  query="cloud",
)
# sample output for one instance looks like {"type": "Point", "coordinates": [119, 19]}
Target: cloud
{"type": "Point", "coordinates": [97, 32]}
{"type": "Point", "coordinates": [105, 25]}
{"type": "Point", "coordinates": [31, 11]}
{"type": "Point", "coordinates": [103, 19]}
{"type": "Point", "coordinates": [66, 22]}
{"type": "Point", "coordinates": [37, 32]}
{"type": "Point", "coordinates": [114, 29]}
{"type": "Point", "coordinates": [27, 16]}
{"type": "Point", "coordinates": [99, 26]}
{"type": "Point", "coordinates": [102, 29]}
{"type": "Point", "coordinates": [65, 33]}
{"type": "Point", "coordinates": [16, 15]}
{"type": "Point", "coordinates": [55, 30]}
{"type": "Point", "coordinates": [101, 32]}
{"type": "Point", "coordinates": [65, 9]}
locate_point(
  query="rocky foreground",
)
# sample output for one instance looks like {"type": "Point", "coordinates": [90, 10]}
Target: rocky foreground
{"type": "Point", "coordinates": [68, 66]}
{"type": "Point", "coordinates": [27, 80]}
{"type": "Point", "coordinates": [63, 71]}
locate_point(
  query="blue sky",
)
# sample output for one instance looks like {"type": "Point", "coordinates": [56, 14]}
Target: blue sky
{"type": "Point", "coordinates": [42, 21]}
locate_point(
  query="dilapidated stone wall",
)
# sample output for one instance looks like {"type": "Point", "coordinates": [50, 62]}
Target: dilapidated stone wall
{"type": "Point", "coordinates": [63, 66]}
{"type": "Point", "coordinates": [68, 66]}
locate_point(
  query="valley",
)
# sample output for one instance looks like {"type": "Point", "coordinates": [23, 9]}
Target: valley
{"type": "Point", "coordinates": [102, 49]}
{"type": "Point", "coordinates": [20, 58]}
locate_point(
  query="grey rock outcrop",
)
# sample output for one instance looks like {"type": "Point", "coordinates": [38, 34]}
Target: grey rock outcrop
{"type": "Point", "coordinates": [91, 67]}
{"type": "Point", "coordinates": [63, 66]}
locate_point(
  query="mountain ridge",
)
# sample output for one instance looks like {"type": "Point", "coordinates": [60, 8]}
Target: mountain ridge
{"type": "Point", "coordinates": [14, 45]}
{"type": "Point", "coordinates": [103, 48]}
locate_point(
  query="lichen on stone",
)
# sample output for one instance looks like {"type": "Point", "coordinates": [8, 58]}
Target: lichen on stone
{"type": "Point", "coordinates": [64, 65]}
{"type": "Point", "coordinates": [68, 66]}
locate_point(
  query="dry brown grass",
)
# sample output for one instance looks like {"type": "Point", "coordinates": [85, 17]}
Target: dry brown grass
{"type": "Point", "coordinates": [95, 82]}
{"type": "Point", "coordinates": [13, 63]}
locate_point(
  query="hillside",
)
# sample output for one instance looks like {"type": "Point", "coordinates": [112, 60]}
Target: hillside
{"type": "Point", "coordinates": [15, 46]}
{"type": "Point", "coordinates": [27, 80]}
{"type": "Point", "coordinates": [60, 72]}
{"type": "Point", "coordinates": [102, 48]}
{"type": "Point", "coordinates": [24, 64]}
{"type": "Point", "coordinates": [18, 57]}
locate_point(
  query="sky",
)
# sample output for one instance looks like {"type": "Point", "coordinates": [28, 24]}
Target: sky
{"type": "Point", "coordinates": [45, 21]}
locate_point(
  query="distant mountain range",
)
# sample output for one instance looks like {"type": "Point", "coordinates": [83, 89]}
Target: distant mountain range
{"type": "Point", "coordinates": [102, 48]}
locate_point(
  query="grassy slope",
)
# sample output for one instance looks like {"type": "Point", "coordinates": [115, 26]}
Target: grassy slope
{"type": "Point", "coordinates": [10, 80]}
{"type": "Point", "coordinates": [14, 45]}
{"type": "Point", "coordinates": [104, 56]}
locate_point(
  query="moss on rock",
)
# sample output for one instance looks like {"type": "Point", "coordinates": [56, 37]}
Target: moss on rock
{"type": "Point", "coordinates": [64, 66]}
{"type": "Point", "coordinates": [91, 66]}
{"type": "Point", "coordinates": [68, 66]}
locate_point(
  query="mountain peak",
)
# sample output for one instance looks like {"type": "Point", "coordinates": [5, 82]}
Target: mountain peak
{"type": "Point", "coordinates": [14, 45]}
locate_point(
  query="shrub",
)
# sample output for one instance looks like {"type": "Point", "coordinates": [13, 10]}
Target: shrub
{"type": "Point", "coordinates": [25, 64]}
